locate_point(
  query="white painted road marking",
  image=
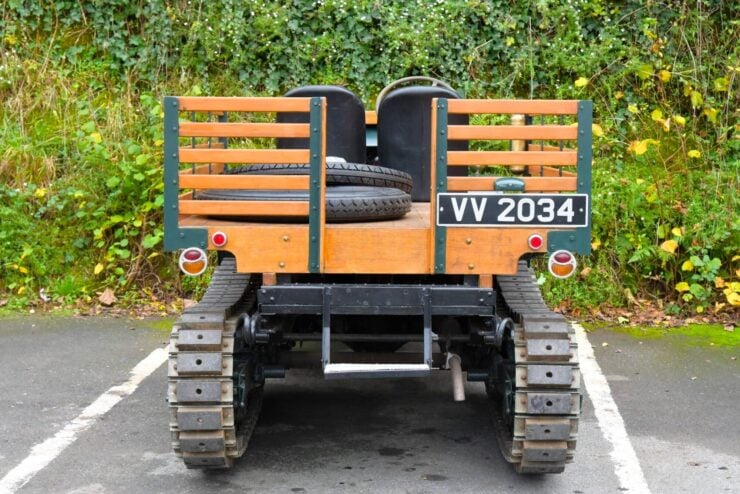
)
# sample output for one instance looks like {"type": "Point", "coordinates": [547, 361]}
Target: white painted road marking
{"type": "Point", "coordinates": [44, 453]}
{"type": "Point", "coordinates": [626, 465]}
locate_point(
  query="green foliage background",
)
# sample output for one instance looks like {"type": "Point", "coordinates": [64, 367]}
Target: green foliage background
{"type": "Point", "coordinates": [80, 125]}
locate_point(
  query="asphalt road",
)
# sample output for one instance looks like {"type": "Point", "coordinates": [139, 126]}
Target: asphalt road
{"type": "Point", "coordinates": [679, 405]}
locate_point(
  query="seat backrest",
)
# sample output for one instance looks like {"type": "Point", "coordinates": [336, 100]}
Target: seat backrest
{"type": "Point", "coordinates": [345, 122]}
{"type": "Point", "coordinates": [404, 134]}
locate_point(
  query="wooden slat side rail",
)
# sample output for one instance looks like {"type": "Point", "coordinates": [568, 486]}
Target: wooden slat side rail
{"type": "Point", "coordinates": [371, 118]}
{"type": "Point", "coordinates": [189, 155]}
{"type": "Point", "coordinates": [203, 169]}
{"type": "Point", "coordinates": [245, 208]}
{"type": "Point", "coordinates": [237, 104]}
{"type": "Point", "coordinates": [509, 132]}
{"type": "Point", "coordinates": [531, 184]}
{"type": "Point", "coordinates": [478, 158]}
{"type": "Point", "coordinates": [504, 106]}
{"type": "Point", "coordinates": [209, 145]}
{"type": "Point", "coordinates": [549, 171]}
{"type": "Point", "coordinates": [244, 129]}
{"type": "Point", "coordinates": [255, 182]}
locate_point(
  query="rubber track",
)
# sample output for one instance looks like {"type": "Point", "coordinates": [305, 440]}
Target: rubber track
{"type": "Point", "coordinates": [338, 173]}
{"type": "Point", "coordinates": [200, 375]}
{"type": "Point", "coordinates": [548, 397]}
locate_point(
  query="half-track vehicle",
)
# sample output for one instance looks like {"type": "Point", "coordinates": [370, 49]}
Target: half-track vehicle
{"type": "Point", "coordinates": [382, 244]}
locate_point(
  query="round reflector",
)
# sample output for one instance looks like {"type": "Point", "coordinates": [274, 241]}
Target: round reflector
{"type": "Point", "coordinates": [193, 261]}
{"type": "Point", "coordinates": [219, 239]}
{"type": "Point", "coordinates": [536, 241]}
{"type": "Point", "coordinates": [562, 264]}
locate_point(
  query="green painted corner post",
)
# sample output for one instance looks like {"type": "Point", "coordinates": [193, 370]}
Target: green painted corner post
{"type": "Point", "coordinates": [440, 185]}
{"type": "Point", "coordinates": [175, 237]}
{"type": "Point", "coordinates": [314, 194]}
{"type": "Point", "coordinates": [579, 240]}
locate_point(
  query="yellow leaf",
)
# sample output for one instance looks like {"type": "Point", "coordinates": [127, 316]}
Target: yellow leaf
{"type": "Point", "coordinates": [676, 231]}
{"type": "Point", "coordinates": [581, 82]}
{"type": "Point", "coordinates": [96, 137]}
{"type": "Point", "coordinates": [735, 258]}
{"type": "Point", "coordinates": [694, 154]}
{"type": "Point", "coordinates": [40, 192]}
{"type": "Point", "coordinates": [619, 95]}
{"type": "Point", "coordinates": [597, 130]}
{"type": "Point", "coordinates": [664, 75]}
{"type": "Point", "coordinates": [633, 109]}
{"type": "Point", "coordinates": [711, 114]}
{"type": "Point", "coordinates": [23, 270]}
{"type": "Point", "coordinates": [10, 39]}
{"type": "Point", "coordinates": [656, 115]}
{"type": "Point", "coordinates": [696, 99]}
{"type": "Point", "coordinates": [682, 287]}
{"type": "Point", "coordinates": [23, 289]}
{"type": "Point", "coordinates": [98, 268]}
{"type": "Point", "coordinates": [669, 246]}
{"type": "Point", "coordinates": [687, 266]}
{"type": "Point", "coordinates": [641, 147]}
{"type": "Point", "coordinates": [699, 309]}
{"type": "Point", "coordinates": [679, 120]}
{"type": "Point", "coordinates": [596, 244]}
{"type": "Point", "coordinates": [666, 124]}
{"type": "Point", "coordinates": [733, 298]}
{"type": "Point", "coordinates": [158, 142]}
{"type": "Point", "coordinates": [509, 41]}
{"type": "Point", "coordinates": [639, 181]}
{"type": "Point", "coordinates": [719, 282]}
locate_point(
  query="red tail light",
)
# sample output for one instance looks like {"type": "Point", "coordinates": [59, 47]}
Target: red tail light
{"type": "Point", "coordinates": [562, 264]}
{"type": "Point", "coordinates": [193, 261]}
{"type": "Point", "coordinates": [536, 241]}
{"type": "Point", "coordinates": [219, 239]}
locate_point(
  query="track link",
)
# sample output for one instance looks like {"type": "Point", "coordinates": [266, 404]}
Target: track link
{"type": "Point", "coordinates": [546, 384]}
{"type": "Point", "coordinates": [207, 429]}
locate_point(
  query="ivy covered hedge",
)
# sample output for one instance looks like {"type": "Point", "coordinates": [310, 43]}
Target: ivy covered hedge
{"type": "Point", "coordinates": [81, 84]}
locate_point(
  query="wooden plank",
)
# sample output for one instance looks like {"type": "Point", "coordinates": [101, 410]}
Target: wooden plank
{"type": "Point", "coordinates": [203, 169]}
{"type": "Point", "coordinates": [209, 145]}
{"type": "Point", "coordinates": [243, 129]}
{"type": "Point", "coordinates": [256, 182]}
{"type": "Point", "coordinates": [188, 155]}
{"type": "Point", "coordinates": [244, 208]}
{"type": "Point", "coordinates": [377, 249]}
{"type": "Point", "coordinates": [371, 118]}
{"type": "Point", "coordinates": [511, 132]}
{"type": "Point", "coordinates": [549, 171]}
{"type": "Point", "coordinates": [244, 104]}
{"type": "Point", "coordinates": [553, 158]}
{"type": "Point", "coordinates": [500, 106]}
{"type": "Point", "coordinates": [531, 184]}
{"type": "Point", "coordinates": [322, 194]}
{"type": "Point", "coordinates": [469, 250]}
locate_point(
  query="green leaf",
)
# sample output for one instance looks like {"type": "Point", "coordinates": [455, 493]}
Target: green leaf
{"type": "Point", "coordinates": [696, 99]}
{"type": "Point", "coordinates": [112, 182]}
{"type": "Point", "coordinates": [139, 177]}
{"type": "Point", "coordinates": [150, 241]}
{"type": "Point", "coordinates": [644, 71]}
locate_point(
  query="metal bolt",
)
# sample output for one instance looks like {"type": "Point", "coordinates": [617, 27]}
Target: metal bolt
{"type": "Point", "coordinates": [281, 264]}
{"type": "Point", "coordinates": [174, 129]}
{"type": "Point", "coordinates": [442, 132]}
{"type": "Point", "coordinates": [468, 240]}
{"type": "Point", "coordinates": [315, 129]}
{"type": "Point", "coordinates": [224, 365]}
{"type": "Point", "coordinates": [313, 239]}
{"type": "Point", "coordinates": [286, 238]}
{"type": "Point", "coordinates": [471, 266]}
{"type": "Point", "coordinates": [580, 156]}
{"type": "Point", "coordinates": [182, 235]}
{"type": "Point", "coordinates": [272, 299]}
{"type": "Point", "coordinates": [174, 155]}
{"type": "Point", "coordinates": [572, 238]}
{"type": "Point", "coordinates": [315, 155]}
{"type": "Point", "coordinates": [174, 102]}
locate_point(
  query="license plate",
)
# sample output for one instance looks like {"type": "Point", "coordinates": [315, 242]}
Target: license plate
{"type": "Point", "coordinates": [512, 210]}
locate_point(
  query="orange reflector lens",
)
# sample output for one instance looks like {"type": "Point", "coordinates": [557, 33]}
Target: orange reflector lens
{"type": "Point", "coordinates": [193, 261]}
{"type": "Point", "coordinates": [562, 264]}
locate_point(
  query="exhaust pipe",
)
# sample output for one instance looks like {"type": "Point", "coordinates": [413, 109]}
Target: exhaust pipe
{"type": "Point", "coordinates": [458, 386]}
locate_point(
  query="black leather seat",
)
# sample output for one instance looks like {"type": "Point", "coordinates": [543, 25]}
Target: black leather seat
{"type": "Point", "coordinates": [404, 134]}
{"type": "Point", "coordinates": [345, 122]}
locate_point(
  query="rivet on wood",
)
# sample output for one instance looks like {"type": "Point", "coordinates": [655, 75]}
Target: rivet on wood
{"type": "Point", "coordinates": [471, 266]}
{"type": "Point", "coordinates": [468, 240]}
{"type": "Point", "coordinates": [281, 264]}
{"type": "Point", "coordinates": [286, 238]}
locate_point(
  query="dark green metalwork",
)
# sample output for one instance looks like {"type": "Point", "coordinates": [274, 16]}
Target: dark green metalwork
{"type": "Point", "coordinates": [509, 185]}
{"type": "Point", "coordinates": [314, 194]}
{"type": "Point", "coordinates": [175, 237]}
{"type": "Point", "coordinates": [440, 232]}
{"type": "Point", "coordinates": [579, 240]}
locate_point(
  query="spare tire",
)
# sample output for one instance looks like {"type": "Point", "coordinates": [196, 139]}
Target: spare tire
{"type": "Point", "coordinates": [350, 203]}
{"type": "Point", "coordinates": [338, 173]}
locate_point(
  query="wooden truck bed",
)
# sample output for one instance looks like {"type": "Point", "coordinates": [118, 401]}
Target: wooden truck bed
{"type": "Point", "coordinates": [202, 137]}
